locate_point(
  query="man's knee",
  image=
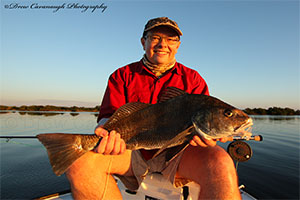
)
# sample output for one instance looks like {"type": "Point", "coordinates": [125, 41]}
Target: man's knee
{"type": "Point", "coordinates": [219, 157]}
{"type": "Point", "coordinates": [213, 169]}
{"type": "Point", "coordinates": [212, 160]}
{"type": "Point", "coordinates": [82, 168]}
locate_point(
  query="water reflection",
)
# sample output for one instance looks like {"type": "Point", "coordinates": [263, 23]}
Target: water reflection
{"type": "Point", "coordinates": [40, 113]}
{"type": "Point", "coordinates": [46, 113]}
{"type": "Point", "coordinates": [7, 111]}
{"type": "Point", "coordinates": [273, 117]}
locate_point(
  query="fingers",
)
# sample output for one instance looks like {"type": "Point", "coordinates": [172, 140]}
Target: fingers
{"type": "Point", "coordinates": [111, 144]}
{"type": "Point", "coordinates": [203, 142]}
{"type": "Point", "coordinates": [100, 131]}
{"type": "Point", "coordinates": [102, 145]}
{"type": "Point", "coordinates": [223, 140]}
{"type": "Point", "coordinates": [119, 146]}
{"type": "Point", "coordinates": [115, 144]}
{"type": "Point", "coordinates": [123, 147]}
{"type": "Point", "coordinates": [193, 143]}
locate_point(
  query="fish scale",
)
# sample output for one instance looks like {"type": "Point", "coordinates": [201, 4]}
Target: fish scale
{"type": "Point", "coordinates": [153, 129]}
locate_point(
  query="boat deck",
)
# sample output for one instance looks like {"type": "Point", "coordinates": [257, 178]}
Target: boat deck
{"type": "Point", "coordinates": [154, 187]}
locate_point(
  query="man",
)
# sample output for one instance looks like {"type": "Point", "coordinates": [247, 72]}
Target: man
{"type": "Point", "coordinates": [202, 161]}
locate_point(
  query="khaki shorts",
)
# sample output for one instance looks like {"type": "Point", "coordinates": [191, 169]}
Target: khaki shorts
{"type": "Point", "coordinates": [141, 168]}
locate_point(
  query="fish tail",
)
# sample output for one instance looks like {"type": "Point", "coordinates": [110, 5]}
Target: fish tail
{"type": "Point", "coordinates": [62, 149]}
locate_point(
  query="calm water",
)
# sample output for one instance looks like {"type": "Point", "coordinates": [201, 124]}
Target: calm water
{"type": "Point", "coordinates": [272, 172]}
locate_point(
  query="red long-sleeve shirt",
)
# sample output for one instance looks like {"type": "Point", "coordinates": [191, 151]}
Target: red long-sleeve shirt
{"type": "Point", "coordinates": [136, 83]}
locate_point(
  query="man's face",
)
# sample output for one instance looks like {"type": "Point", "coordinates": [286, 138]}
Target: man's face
{"type": "Point", "coordinates": [160, 45]}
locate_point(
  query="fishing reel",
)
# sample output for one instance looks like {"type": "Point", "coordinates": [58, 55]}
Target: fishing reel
{"type": "Point", "coordinates": [240, 151]}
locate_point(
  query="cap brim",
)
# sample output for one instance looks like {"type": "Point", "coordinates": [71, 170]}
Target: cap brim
{"type": "Point", "coordinates": [169, 25]}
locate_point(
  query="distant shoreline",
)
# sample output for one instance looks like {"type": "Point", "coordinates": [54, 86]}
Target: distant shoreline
{"type": "Point", "coordinates": [48, 108]}
{"type": "Point", "coordinates": [41, 108]}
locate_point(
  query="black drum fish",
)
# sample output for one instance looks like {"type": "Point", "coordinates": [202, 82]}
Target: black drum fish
{"type": "Point", "coordinates": [169, 124]}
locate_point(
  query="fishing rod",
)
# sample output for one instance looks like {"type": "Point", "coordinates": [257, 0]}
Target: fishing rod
{"type": "Point", "coordinates": [18, 137]}
{"type": "Point", "coordinates": [9, 138]}
{"type": "Point", "coordinates": [231, 138]}
{"type": "Point", "coordinates": [239, 150]}
{"type": "Point", "coordinates": [253, 137]}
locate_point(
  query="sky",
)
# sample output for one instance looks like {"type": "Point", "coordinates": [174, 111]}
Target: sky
{"type": "Point", "coordinates": [247, 51]}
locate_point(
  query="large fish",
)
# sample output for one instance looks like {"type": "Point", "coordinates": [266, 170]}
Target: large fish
{"type": "Point", "coordinates": [169, 124]}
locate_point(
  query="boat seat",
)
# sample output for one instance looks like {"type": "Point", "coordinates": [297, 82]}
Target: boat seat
{"type": "Point", "coordinates": [155, 186]}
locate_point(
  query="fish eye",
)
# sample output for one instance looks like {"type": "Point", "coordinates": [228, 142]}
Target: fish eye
{"type": "Point", "coordinates": [228, 113]}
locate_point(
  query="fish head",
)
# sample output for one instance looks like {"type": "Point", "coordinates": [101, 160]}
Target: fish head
{"type": "Point", "coordinates": [219, 122]}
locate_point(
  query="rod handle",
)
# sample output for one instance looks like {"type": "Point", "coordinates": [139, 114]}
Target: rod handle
{"type": "Point", "coordinates": [253, 137]}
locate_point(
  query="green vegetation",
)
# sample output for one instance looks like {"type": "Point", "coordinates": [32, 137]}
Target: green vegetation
{"type": "Point", "coordinates": [51, 108]}
{"type": "Point", "coordinates": [254, 111]}
{"type": "Point", "coordinates": [272, 111]}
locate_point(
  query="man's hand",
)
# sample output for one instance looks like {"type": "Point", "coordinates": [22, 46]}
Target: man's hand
{"type": "Point", "coordinates": [203, 142]}
{"type": "Point", "coordinates": [111, 143]}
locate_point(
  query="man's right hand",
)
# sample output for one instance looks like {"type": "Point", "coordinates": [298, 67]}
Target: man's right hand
{"type": "Point", "coordinates": [111, 143]}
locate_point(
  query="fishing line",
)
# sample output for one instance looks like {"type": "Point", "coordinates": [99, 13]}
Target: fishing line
{"type": "Point", "coordinates": [9, 138]}
{"type": "Point", "coordinates": [20, 143]}
{"type": "Point", "coordinates": [173, 168]}
{"type": "Point", "coordinates": [236, 165]}
{"type": "Point", "coordinates": [107, 177]}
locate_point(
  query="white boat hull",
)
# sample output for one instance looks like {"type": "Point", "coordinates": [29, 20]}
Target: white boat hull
{"type": "Point", "coordinates": [153, 187]}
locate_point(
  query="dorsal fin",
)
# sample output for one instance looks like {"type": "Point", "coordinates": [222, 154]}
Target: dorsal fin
{"type": "Point", "coordinates": [125, 111]}
{"type": "Point", "coordinates": [169, 93]}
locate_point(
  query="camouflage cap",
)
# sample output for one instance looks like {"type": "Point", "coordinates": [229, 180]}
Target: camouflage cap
{"type": "Point", "coordinates": [162, 21]}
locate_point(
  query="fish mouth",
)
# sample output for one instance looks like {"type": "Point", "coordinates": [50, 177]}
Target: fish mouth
{"type": "Point", "coordinates": [244, 129]}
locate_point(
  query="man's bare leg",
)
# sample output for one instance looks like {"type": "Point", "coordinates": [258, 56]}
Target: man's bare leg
{"type": "Point", "coordinates": [213, 169]}
{"type": "Point", "coordinates": [90, 177]}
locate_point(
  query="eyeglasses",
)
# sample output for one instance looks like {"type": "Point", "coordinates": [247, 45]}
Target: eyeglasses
{"type": "Point", "coordinates": [155, 39]}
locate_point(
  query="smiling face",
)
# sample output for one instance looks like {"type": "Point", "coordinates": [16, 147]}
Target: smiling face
{"type": "Point", "coordinates": [161, 52]}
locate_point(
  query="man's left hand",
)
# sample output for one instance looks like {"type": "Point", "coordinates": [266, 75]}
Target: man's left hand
{"type": "Point", "coordinates": [203, 142]}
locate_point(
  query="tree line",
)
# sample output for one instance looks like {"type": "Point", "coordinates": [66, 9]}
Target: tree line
{"type": "Point", "coordinates": [51, 108]}
{"type": "Point", "coordinates": [249, 111]}
{"type": "Point", "coordinates": [271, 111]}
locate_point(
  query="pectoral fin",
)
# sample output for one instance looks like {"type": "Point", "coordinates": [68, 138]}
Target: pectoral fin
{"type": "Point", "coordinates": [174, 151]}
{"type": "Point", "coordinates": [181, 136]}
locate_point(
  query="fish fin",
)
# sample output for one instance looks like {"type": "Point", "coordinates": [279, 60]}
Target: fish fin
{"type": "Point", "coordinates": [169, 93]}
{"type": "Point", "coordinates": [179, 136]}
{"type": "Point", "coordinates": [174, 151]}
{"type": "Point", "coordinates": [124, 111]}
{"type": "Point", "coordinates": [63, 150]}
